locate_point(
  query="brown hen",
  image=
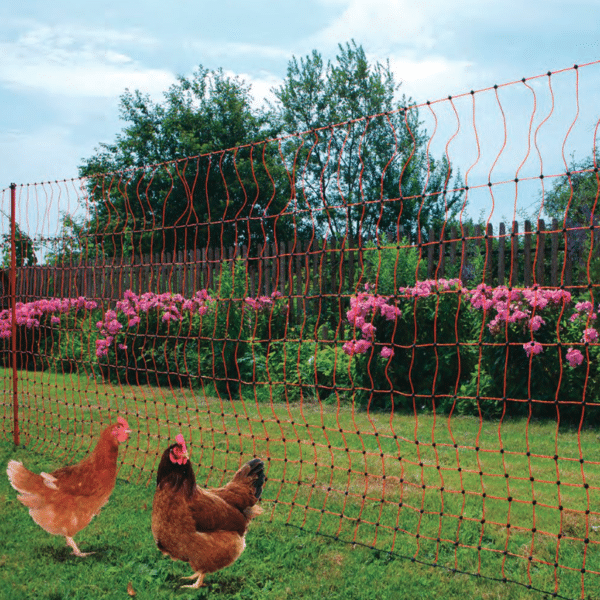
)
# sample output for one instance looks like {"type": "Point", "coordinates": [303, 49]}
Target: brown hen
{"type": "Point", "coordinates": [204, 527]}
{"type": "Point", "coordinates": [65, 501]}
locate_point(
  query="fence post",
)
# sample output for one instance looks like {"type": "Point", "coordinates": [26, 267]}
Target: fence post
{"type": "Point", "coordinates": [489, 254]}
{"type": "Point", "coordinates": [13, 306]}
{"type": "Point", "coordinates": [501, 253]}
{"type": "Point", "coordinates": [514, 251]}
{"type": "Point", "coordinates": [539, 255]}
{"type": "Point", "coordinates": [527, 255]}
{"type": "Point", "coordinates": [430, 250]}
{"type": "Point", "coordinates": [554, 258]}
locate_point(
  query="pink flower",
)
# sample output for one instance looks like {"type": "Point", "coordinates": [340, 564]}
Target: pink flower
{"type": "Point", "coordinates": [362, 346]}
{"type": "Point", "coordinates": [536, 322]}
{"type": "Point", "coordinates": [113, 326]}
{"type": "Point", "coordinates": [390, 312]}
{"type": "Point", "coordinates": [368, 331]}
{"type": "Point", "coordinates": [102, 347]}
{"type": "Point", "coordinates": [387, 352]}
{"type": "Point", "coordinates": [356, 347]}
{"type": "Point", "coordinates": [532, 348]}
{"type": "Point", "coordinates": [583, 307]}
{"type": "Point", "coordinates": [348, 348]}
{"type": "Point", "coordinates": [590, 335]}
{"type": "Point", "coordinates": [574, 357]}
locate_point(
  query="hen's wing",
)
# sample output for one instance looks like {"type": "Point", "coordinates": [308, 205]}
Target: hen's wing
{"type": "Point", "coordinates": [84, 479]}
{"type": "Point", "coordinates": [212, 513]}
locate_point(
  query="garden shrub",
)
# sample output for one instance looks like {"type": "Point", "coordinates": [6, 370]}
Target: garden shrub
{"type": "Point", "coordinates": [51, 333]}
{"type": "Point", "coordinates": [485, 351]}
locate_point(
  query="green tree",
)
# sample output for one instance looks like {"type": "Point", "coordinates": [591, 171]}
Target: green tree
{"type": "Point", "coordinates": [371, 172]}
{"type": "Point", "coordinates": [69, 246]}
{"type": "Point", "coordinates": [176, 177]}
{"type": "Point", "coordinates": [574, 196]}
{"type": "Point", "coordinates": [573, 201]}
{"type": "Point", "coordinates": [24, 249]}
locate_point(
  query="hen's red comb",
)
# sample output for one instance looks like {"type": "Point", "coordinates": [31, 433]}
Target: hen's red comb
{"type": "Point", "coordinates": [180, 440]}
{"type": "Point", "coordinates": [121, 421]}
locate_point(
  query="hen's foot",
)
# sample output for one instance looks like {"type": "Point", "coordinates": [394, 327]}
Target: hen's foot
{"type": "Point", "coordinates": [76, 550]}
{"type": "Point", "coordinates": [199, 581]}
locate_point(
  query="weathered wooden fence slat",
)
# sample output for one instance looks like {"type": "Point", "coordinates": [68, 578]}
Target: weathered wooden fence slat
{"type": "Point", "coordinates": [516, 255]}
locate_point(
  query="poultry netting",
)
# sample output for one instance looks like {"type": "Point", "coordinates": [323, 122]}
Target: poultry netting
{"type": "Point", "coordinates": [398, 314]}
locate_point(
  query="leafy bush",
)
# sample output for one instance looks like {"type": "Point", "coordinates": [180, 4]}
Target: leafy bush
{"type": "Point", "coordinates": [418, 343]}
{"type": "Point", "coordinates": [166, 339]}
{"type": "Point", "coordinates": [51, 333]}
{"type": "Point", "coordinates": [484, 351]}
{"type": "Point", "coordinates": [395, 265]}
{"type": "Point", "coordinates": [153, 338]}
{"type": "Point", "coordinates": [533, 345]}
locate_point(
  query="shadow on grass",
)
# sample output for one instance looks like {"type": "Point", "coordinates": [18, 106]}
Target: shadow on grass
{"type": "Point", "coordinates": [98, 553]}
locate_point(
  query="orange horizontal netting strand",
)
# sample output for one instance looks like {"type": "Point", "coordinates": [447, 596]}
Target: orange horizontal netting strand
{"type": "Point", "coordinates": [419, 379]}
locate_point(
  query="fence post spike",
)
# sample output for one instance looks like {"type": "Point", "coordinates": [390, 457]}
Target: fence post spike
{"type": "Point", "coordinates": [13, 307]}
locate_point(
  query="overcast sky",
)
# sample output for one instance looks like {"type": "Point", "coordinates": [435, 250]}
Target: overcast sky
{"type": "Point", "coordinates": [64, 64]}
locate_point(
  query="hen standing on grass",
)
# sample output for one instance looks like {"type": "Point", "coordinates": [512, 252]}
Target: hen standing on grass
{"type": "Point", "coordinates": [65, 501]}
{"type": "Point", "coordinates": [204, 527]}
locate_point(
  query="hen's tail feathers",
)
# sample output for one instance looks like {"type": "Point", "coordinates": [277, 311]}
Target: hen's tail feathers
{"type": "Point", "coordinates": [257, 474]}
{"type": "Point", "coordinates": [24, 481]}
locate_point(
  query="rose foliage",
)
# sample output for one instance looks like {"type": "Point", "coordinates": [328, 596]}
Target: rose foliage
{"type": "Point", "coordinates": [435, 345]}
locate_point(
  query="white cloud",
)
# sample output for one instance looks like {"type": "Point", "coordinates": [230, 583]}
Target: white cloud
{"type": "Point", "coordinates": [221, 50]}
{"type": "Point", "coordinates": [82, 62]}
{"type": "Point", "coordinates": [381, 23]}
{"type": "Point", "coordinates": [415, 37]}
{"type": "Point", "coordinates": [430, 77]}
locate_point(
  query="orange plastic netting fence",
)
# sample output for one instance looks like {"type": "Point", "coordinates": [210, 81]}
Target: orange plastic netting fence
{"type": "Point", "coordinates": [418, 380]}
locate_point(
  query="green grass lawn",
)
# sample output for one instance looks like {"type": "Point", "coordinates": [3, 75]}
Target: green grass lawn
{"type": "Point", "coordinates": [414, 486]}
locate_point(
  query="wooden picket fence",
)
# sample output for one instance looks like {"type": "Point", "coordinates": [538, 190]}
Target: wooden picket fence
{"type": "Point", "coordinates": [547, 256]}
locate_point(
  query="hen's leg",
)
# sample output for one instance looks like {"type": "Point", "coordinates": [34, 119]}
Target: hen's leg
{"type": "Point", "coordinates": [76, 550]}
{"type": "Point", "coordinates": [199, 581]}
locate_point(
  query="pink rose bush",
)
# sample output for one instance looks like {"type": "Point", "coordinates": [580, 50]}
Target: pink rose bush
{"type": "Point", "coordinates": [515, 306]}
{"type": "Point", "coordinates": [472, 349]}
{"type": "Point", "coordinates": [263, 302]}
{"type": "Point", "coordinates": [167, 307]}
{"type": "Point", "coordinates": [62, 339]}
{"type": "Point", "coordinates": [503, 307]}
{"type": "Point", "coordinates": [363, 309]}
{"type": "Point", "coordinates": [434, 338]}
{"type": "Point", "coordinates": [522, 308]}
{"type": "Point", "coordinates": [31, 314]}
